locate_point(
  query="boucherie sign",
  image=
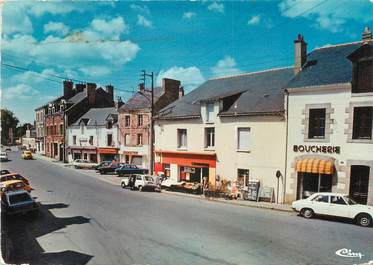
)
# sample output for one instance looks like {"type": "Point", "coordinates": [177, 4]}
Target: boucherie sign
{"type": "Point", "coordinates": [317, 149]}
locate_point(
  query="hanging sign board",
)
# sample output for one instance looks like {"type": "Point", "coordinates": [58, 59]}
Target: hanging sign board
{"type": "Point", "coordinates": [265, 193]}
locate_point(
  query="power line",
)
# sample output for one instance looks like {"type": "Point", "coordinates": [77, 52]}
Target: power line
{"type": "Point", "coordinates": [35, 73]}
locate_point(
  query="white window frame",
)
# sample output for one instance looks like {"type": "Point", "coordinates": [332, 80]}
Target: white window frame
{"type": "Point", "coordinates": [211, 144]}
{"type": "Point", "coordinates": [247, 148]}
{"type": "Point", "coordinates": [182, 143]}
{"type": "Point", "coordinates": [209, 112]}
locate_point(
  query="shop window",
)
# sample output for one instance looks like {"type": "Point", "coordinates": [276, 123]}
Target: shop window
{"type": "Point", "coordinates": [362, 123]}
{"type": "Point", "coordinates": [363, 77]}
{"type": "Point", "coordinates": [91, 140]}
{"type": "Point", "coordinates": [210, 112]}
{"type": "Point", "coordinates": [127, 159]}
{"type": "Point", "coordinates": [137, 160]}
{"type": "Point", "coordinates": [181, 138]}
{"type": "Point", "coordinates": [242, 177]}
{"type": "Point", "coordinates": [109, 140]}
{"type": "Point", "coordinates": [139, 139]}
{"type": "Point", "coordinates": [167, 170]}
{"type": "Point", "coordinates": [139, 120]}
{"type": "Point", "coordinates": [209, 137]}
{"type": "Point", "coordinates": [127, 121]}
{"type": "Point", "coordinates": [243, 139]}
{"type": "Point", "coordinates": [74, 139]}
{"type": "Point", "coordinates": [85, 156]}
{"type": "Point", "coordinates": [316, 127]}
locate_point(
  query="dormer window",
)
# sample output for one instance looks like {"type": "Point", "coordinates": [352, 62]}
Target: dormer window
{"type": "Point", "coordinates": [210, 112]}
{"type": "Point", "coordinates": [82, 128]}
{"type": "Point", "coordinates": [109, 125]}
{"type": "Point", "coordinates": [362, 76]}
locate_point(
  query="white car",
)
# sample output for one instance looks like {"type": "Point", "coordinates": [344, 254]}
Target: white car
{"type": "Point", "coordinates": [334, 204]}
{"type": "Point", "coordinates": [142, 182]}
{"type": "Point", "coordinates": [82, 163]}
{"type": "Point", "coordinates": [3, 156]}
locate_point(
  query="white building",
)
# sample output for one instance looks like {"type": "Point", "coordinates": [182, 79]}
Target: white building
{"type": "Point", "coordinates": [330, 135]}
{"type": "Point", "coordinates": [230, 128]}
{"type": "Point", "coordinates": [94, 136]}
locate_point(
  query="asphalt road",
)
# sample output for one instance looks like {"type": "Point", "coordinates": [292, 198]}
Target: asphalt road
{"type": "Point", "coordinates": [84, 220]}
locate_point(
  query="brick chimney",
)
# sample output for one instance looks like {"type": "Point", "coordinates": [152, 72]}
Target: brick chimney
{"type": "Point", "coordinates": [91, 93]}
{"type": "Point", "coordinates": [118, 103]}
{"type": "Point", "coordinates": [79, 87]}
{"type": "Point", "coordinates": [68, 88]}
{"type": "Point", "coordinates": [300, 53]}
{"type": "Point", "coordinates": [110, 91]}
{"type": "Point", "coordinates": [170, 86]}
{"type": "Point", "coordinates": [181, 92]}
{"type": "Point", "coordinates": [141, 87]}
{"type": "Point", "coordinates": [367, 34]}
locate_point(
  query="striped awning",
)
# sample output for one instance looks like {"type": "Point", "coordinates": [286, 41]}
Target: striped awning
{"type": "Point", "coordinates": [321, 166]}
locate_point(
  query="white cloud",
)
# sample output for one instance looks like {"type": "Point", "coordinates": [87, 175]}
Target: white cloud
{"type": "Point", "coordinates": [143, 21]}
{"type": "Point", "coordinates": [142, 9]}
{"type": "Point", "coordinates": [254, 20]}
{"type": "Point", "coordinates": [216, 7]}
{"type": "Point", "coordinates": [56, 27]}
{"type": "Point", "coordinates": [226, 66]}
{"type": "Point", "coordinates": [95, 71]}
{"type": "Point", "coordinates": [328, 15]}
{"type": "Point", "coordinates": [101, 28]}
{"type": "Point", "coordinates": [32, 77]}
{"type": "Point", "coordinates": [190, 77]}
{"type": "Point", "coordinates": [20, 91]}
{"type": "Point", "coordinates": [15, 19]}
{"type": "Point", "coordinates": [189, 15]}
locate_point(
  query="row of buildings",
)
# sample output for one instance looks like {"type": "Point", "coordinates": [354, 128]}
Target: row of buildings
{"type": "Point", "coordinates": [306, 128]}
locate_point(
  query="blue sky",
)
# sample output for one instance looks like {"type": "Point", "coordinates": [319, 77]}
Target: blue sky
{"type": "Point", "coordinates": [111, 42]}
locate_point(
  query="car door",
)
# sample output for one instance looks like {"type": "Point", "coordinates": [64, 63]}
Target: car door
{"type": "Point", "coordinates": [339, 207]}
{"type": "Point", "coordinates": [320, 204]}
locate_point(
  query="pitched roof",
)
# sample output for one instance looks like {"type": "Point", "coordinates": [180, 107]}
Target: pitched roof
{"type": "Point", "coordinates": [141, 100]}
{"type": "Point", "coordinates": [77, 97]}
{"type": "Point", "coordinates": [326, 66]}
{"type": "Point", "coordinates": [256, 92]}
{"type": "Point", "coordinates": [96, 116]}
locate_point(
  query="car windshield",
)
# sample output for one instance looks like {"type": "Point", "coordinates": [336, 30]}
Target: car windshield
{"type": "Point", "coordinates": [17, 198]}
{"type": "Point", "coordinates": [350, 201]}
{"type": "Point", "coordinates": [148, 178]}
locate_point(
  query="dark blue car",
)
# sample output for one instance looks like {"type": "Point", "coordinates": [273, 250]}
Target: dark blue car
{"type": "Point", "coordinates": [127, 169]}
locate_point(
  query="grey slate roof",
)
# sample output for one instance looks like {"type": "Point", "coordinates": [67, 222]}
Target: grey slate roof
{"type": "Point", "coordinates": [141, 100]}
{"type": "Point", "coordinates": [261, 92]}
{"type": "Point", "coordinates": [97, 116]}
{"type": "Point", "coordinates": [78, 97]}
{"type": "Point", "coordinates": [328, 65]}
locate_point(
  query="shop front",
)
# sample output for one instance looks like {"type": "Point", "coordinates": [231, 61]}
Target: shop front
{"type": "Point", "coordinates": [86, 153]}
{"type": "Point", "coordinates": [107, 154]}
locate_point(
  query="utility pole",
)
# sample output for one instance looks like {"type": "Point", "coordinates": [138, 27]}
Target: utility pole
{"type": "Point", "coordinates": [143, 78]}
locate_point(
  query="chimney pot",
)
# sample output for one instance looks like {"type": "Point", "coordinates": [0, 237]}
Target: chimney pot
{"type": "Point", "coordinates": [142, 87]}
{"type": "Point", "coordinates": [181, 92]}
{"type": "Point", "coordinates": [170, 86]}
{"type": "Point", "coordinates": [68, 88]}
{"type": "Point", "coordinates": [300, 53]}
{"type": "Point", "coordinates": [367, 34]}
{"type": "Point", "coordinates": [91, 93]}
{"type": "Point", "coordinates": [110, 91]}
{"type": "Point", "coordinates": [79, 87]}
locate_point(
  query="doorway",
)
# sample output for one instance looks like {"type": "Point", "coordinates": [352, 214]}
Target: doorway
{"type": "Point", "coordinates": [359, 182]}
{"type": "Point", "coordinates": [310, 183]}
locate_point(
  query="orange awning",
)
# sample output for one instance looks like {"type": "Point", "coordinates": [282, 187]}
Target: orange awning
{"type": "Point", "coordinates": [321, 166]}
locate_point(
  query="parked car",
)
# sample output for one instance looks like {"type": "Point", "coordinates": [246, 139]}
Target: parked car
{"type": "Point", "coordinates": [127, 169]}
{"type": "Point", "coordinates": [4, 171]}
{"type": "Point", "coordinates": [3, 156]}
{"type": "Point", "coordinates": [144, 182]}
{"type": "Point", "coordinates": [7, 148]}
{"type": "Point", "coordinates": [18, 201]}
{"type": "Point", "coordinates": [102, 164]}
{"type": "Point", "coordinates": [109, 169]}
{"type": "Point", "coordinates": [13, 176]}
{"type": "Point", "coordinates": [82, 163]}
{"type": "Point", "coordinates": [334, 204]}
{"type": "Point", "coordinates": [27, 155]}
{"type": "Point", "coordinates": [15, 184]}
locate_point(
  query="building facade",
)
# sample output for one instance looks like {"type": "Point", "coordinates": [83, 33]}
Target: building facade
{"type": "Point", "coordinates": [330, 135]}
{"type": "Point", "coordinates": [228, 129]}
{"type": "Point", "coordinates": [94, 136]}
{"type": "Point", "coordinates": [135, 117]}
{"type": "Point", "coordinates": [40, 131]}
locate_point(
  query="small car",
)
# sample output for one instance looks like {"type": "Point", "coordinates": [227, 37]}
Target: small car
{"type": "Point", "coordinates": [145, 182]}
{"type": "Point", "coordinates": [27, 155]}
{"type": "Point", "coordinates": [3, 156]}
{"type": "Point", "coordinates": [334, 204]}
{"type": "Point", "coordinates": [102, 164]}
{"type": "Point", "coordinates": [10, 185]}
{"type": "Point", "coordinates": [13, 176]}
{"type": "Point", "coordinates": [127, 169]}
{"type": "Point", "coordinates": [4, 172]}
{"type": "Point", "coordinates": [7, 148]}
{"type": "Point", "coordinates": [109, 169]}
{"type": "Point", "coordinates": [19, 201]}
{"type": "Point", "coordinates": [83, 164]}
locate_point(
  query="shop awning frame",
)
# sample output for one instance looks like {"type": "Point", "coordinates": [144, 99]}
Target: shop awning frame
{"type": "Point", "coordinates": [315, 165]}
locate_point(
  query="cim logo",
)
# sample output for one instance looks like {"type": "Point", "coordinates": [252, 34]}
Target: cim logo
{"type": "Point", "coordinates": [347, 253]}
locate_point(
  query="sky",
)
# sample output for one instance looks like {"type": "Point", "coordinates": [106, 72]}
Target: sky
{"type": "Point", "coordinates": [110, 42]}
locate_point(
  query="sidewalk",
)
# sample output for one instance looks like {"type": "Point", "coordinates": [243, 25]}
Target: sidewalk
{"type": "Point", "coordinates": [115, 180]}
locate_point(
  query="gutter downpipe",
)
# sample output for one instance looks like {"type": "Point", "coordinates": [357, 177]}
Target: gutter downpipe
{"type": "Point", "coordinates": [286, 143]}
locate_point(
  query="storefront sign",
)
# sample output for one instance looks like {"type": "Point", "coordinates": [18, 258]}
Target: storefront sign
{"type": "Point", "coordinates": [130, 153]}
{"type": "Point", "coordinates": [189, 170]}
{"type": "Point", "coordinates": [317, 149]}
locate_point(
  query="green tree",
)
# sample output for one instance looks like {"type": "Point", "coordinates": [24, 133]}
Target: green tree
{"type": "Point", "coordinates": [8, 120]}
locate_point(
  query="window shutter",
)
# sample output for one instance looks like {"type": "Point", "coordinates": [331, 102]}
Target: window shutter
{"type": "Point", "coordinates": [243, 138]}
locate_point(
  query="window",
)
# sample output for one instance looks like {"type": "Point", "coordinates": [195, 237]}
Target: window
{"type": "Point", "coordinates": [109, 140]}
{"type": "Point", "coordinates": [82, 128]}
{"type": "Point", "coordinates": [316, 128]}
{"type": "Point", "coordinates": [126, 139]}
{"type": "Point", "coordinates": [243, 139]}
{"type": "Point", "coordinates": [321, 198]}
{"type": "Point", "coordinates": [363, 76]}
{"type": "Point", "coordinates": [61, 129]}
{"type": "Point", "coordinates": [74, 139]}
{"type": "Point", "coordinates": [209, 137]}
{"type": "Point", "coordinates": [209, 112]}
{"type": "Point", "coordinates": [181, 138]}
{"type": "Point", "coordinates": [337, 200]}
{"type": "Point", "coordinates": [362, 123]}
{"type": "Point", "coordinates": [242, 177]}
{"type": "Point", "coordinates": [109, 125]}
{"type": "Point", "coordinates": [127, 121]}
{"type": "Point", "coordinates": [91, 140]}
{"type": "Point", "coordinates": [139, 139]}
{"type": "Point", "coordinates": [139, 120]}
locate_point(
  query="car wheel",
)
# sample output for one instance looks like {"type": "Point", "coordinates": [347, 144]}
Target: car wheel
{"type": "Point", "coordinates": [123, 185]}
{"type": "Point", "coordinates": [364, 220]}
{"type": "Point", "coordinates": [307, 213]}
{"type": "Point", "coordinates": [140, 188]}
{"type": "Point", "coordinates": [76, 167]}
